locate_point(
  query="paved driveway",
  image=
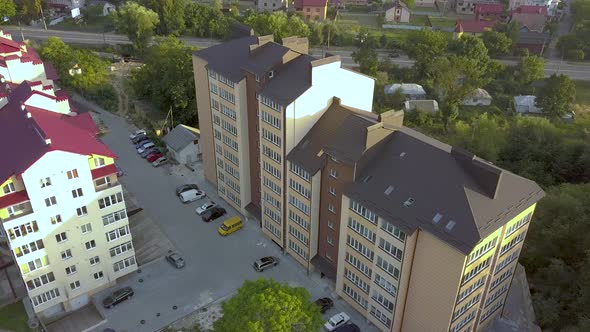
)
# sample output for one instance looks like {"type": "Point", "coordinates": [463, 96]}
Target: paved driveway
{"type": "Point", "coordinates": [215, 266]}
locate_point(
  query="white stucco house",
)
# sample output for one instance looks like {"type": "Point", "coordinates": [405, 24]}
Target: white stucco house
{"type": "Point", "coordinates": [412, 91]}
{"type": "Point", "coordinates": [183, 144]}
{"type": "Point", "coordinates": [397, 12]}
{"type": "Point", "coordinates": [526, 104]}
{"type": "Point", "coordinates": [479, 97]}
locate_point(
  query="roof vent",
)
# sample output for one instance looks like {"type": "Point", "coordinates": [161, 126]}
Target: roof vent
{"type": "Point", "coordinates": [271, 74]}
{"type": "Point", "coordinates": [48, 141]}
{"type": "Point", "coordinates": [403, 154]}
{"type": "Point", "coordinates": [436, 219]}
{"type": "Point", "coordinates": [449, 226]}
{"type": "Point", "coordinates": [23, 107]}
{"type": "Point", "coordinates": [28, 115]}
{"type": "Point", "coordinates": [409, 202]}
{"type": "Point", "coordinates": [367, 179]}
{"type": "Point", "coordinates": [388, 190]}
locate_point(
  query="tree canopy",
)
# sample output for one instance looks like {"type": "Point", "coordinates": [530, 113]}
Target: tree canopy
{"type": "Point", "coordinates": [557, 95]}
{"type": "Point", "coordinates": [7, 8]}
{"type": "Point", "coordinates": [278, 24]}
{"type": "Point", "coordinates": [497, 43]}
{"type": "Point", "coordinates": [529, 69]}
{"type": "Point", "coordinates": [137, 22]}
{"type": "Point", "coordinates": [205, 21]}
{"type": "Point", "coordinates": [268, 306]}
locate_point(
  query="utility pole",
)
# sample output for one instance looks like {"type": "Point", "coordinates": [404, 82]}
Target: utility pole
{"type": "Point", "coordinates": [42, 15]}
{"type": "Point", "coordinates": [22, 35]}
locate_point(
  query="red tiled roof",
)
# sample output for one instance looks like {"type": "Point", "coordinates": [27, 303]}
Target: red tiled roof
{"type": "Point", "coordinates": [488, 8]}
{"type": "Point", "coordinates": [540, 10]}
{"type": "Point", "coordinates": [103, 171]}
{"type": "Point", "coordinates": [13, 198]}
{"type": "Point", "coordinates": [83, 121]}
{"type": "Point", "coordinates": [50, 71]}
{"type": "Point", "coordinates": [473, 26]}
{"type": "Point", "coordinates": [9, 42]}
{"type": "Point", "coordinates": [314, 3]}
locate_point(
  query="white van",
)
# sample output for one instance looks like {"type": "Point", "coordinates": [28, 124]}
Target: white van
{"type": "Point", "coordinates": [144, 147]}
{"type": "Point", "coordinates": [192, 195]}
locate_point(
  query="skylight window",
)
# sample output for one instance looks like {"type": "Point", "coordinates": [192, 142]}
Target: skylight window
{"type": "Point", "coordinates": [437, 217]}
{"type": "Point", "coordinates": [389, 190]}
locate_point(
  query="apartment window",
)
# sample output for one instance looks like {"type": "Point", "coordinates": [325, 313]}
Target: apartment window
{"type": "Point", "coordinates": [482, 250]}
{"type": "Point", "coordinates": [518, 225]}
{"type": "Point", "coordinates": [382, 317]}
{"type": "Point", "coordinates": [81, 211]}
{"type": "Point", "coordinates": [477, 269]}
{"type": "Point", "coordinates": [90, 245]}
{"type": "Point", "coordinates": [34, 264]}
{"type": "Point", "coordinates": [71, 270]}
{"type": "Point", "coordinates": [214, 104]}
{"type": "Point", "coordinates": [271, 169]}
{"type": "Point", "coordinates": [94, 260]}
{"type": "Point", "coordinates": [299, 204]}
{"type": "Point", "coordinates": [9, 188]}
{"type": "Point", "coordinates": [217, 133]}
{"type": "Point", "coordinates": [61, 237]}
{"type": "Point", "coordinates": [40, 281]}
{"type": "Point", "coordinates": [122, 248]}
{"type": "Point", "coordinates": [391, 229]}
{"type": "Point", "coordinates": [110, 200]}
{"type": "Point", "coordinates": [212, 74]}
{"type": "Point", "coordinates": [390, 249]}
{"type": "Point", "coordinates": [28, 248]}
{"type": "Point", "coordinates": [225, 81]}
{"type": "Point", "coordinates": [330, 240]}
{"type": "Point", "coordinates": [468, 291]}
{"type": "Point", "coordinates": [45, 182]}
{"type": "Point", "coordinates": [513, 243]}
{"type": "Point", "coordinates": [75, 285]}
{"type": "Point", "coordinates": [361, 229]}
{"type": "Point", "coordinates": [229, 156]}
{"type": "Point", "coordinates": [117, 233]}
{"type": "Point", "coordinates": [363, 211]}
{"type": "Point", "coordinates": [274, 230]}
{"type": "Point", "coordinates": [385, 284]}
{"type": "Point", "coordinates": [359, 247]}
{"type": "Point", "coordinates": [114, 217]}
{"type": "Point", "coordinates": [16, 209]}
{"type": "Point", "coordinates": [103, 181]}
{"type": "Point", "coordinates": [45, 297]}
{"type": "Point", "coordinates": [388, 267]}
{"type": "Point", "coordinates": [270, 103]}
{"type": "Point", "coordinates": [328, 256]}
{"type": "Point", "coordinates": [271, 185]}
{"type": "Point", "coordinates": [331, 224]}
{"type": "Point", "coordinates": [216, 120]}
{"type": "Point", "coordinates": [332, 191]}
{"type": "Point", "coordinates": [272, 154]}
{"type": "Point", "coordinates": [271, 137]}
{"type": "Point", "coordinates": [56, 219]}
{"type": "Point", "coordinates": [87, 228]}
{"type": "Point", "coordinates": [77, 193]}
{"type": "Point", "coordinates": [66, 254]}
{"type": "Point", "coordinates": [227, 95]}
{"type": "Point", "coordinates": [296, 169]}
{"type": "Point", "coordinates": [230, 142]}
{"type": "Point", "coordinates": [501, 278]}
{"type": "Point", "coordinates": [23, 230]}
{"type": "Point", "coordinates": [333, 173]}
{"type": "Point", "coordinates": [362, 267]}
{"type": "Point", "coordinates": [382, 300]}
{"type": "Point", "coordinates": [491, 298]}
{"type": "Point", "coordinates": [466, 306]}
{"type": "Point", "coordinates": [299, 188]}
{"type": "Point", "coordinates": [273, 215]}
{"type": "Point", "coordinates": [332, 208]}
{"type": "Point", "coordinates": [506, 261]}
{"type": "Point", "coordinates": [127, 262]}
{"type": "Point", "coordinates": [214, 89]}
{"type": "Point", "coordinates": [298, 235]}
{"type": "Point", "coordinates": [355, 279]}
{"type": "Point", "coordinates": [228, 112]}
{"type": "Point", "coordinates": [98, 275]}
{"type": "Point", "coordinates": [355, 296]}
{"type": "Point", "coordinates": [72, 174]}
{"type": "Point", "coordinates": [273, 201]}
{"type": "Point", "coordinates": [490, 311]}
{"type": "Point", "coordinates": [297, 249]}
{"type": "Point", "coordinates": [99, 162]}
{"type": "Point", "coordinates": [270, 119]}
{"type": "Point", "coordinates": [50, 201]}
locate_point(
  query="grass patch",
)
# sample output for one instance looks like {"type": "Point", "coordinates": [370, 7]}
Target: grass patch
{"type": "Point", "coordinates": [583, 92]}
{"type": "Point", "coordinates": [102, 24]}
{"type": "Point", "coordinates": [14, 318]}
{"type": "Point", "coordinates": [419, 20]}
{"type": "Point", "coordinates": [443, 22]}
{"type": "Point", "coordinates": [367, 20]}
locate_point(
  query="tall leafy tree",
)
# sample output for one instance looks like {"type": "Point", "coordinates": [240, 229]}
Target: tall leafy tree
{"type": "Point", "coordinates": [557, 96]}
{"type": "Point", "coordinates": [278, 24]}
{"type": "Point", "coordinates": [529, 69]}
{"type": "Point", "coordinates": [268, 306]}
{"type": "Point", "coordinates": [424, 46]}
{"type": "Point", "coordinates": [497, 43]}
{"type": "Point", "coordinates": [7, 8]}
{"type": "Point", "coordinates": [137, 22]}
{"type": "Point", "coordinates": [31, 9]}
{"type": "Point", "coordinates": [171, 14]}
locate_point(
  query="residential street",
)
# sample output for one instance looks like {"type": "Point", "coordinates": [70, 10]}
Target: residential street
{"type": "Point", "coordinates": [215, 266]}
{"type": "Point", "coordinates": [577, 71]}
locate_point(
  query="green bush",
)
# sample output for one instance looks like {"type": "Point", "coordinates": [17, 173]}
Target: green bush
{"type": "Point", "coordinates": [105, 96]}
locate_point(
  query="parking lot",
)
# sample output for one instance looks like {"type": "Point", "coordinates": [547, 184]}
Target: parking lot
{"type": "Point", "coordinates": [215, 266]}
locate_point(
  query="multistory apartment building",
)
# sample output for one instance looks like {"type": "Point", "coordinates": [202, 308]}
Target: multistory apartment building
{"type": "Point", "coordinates": [418, 235]}
{"type": "Point", "coordinates": [62, 210]}
{"type": "Point", "coordinates": [256, 100]}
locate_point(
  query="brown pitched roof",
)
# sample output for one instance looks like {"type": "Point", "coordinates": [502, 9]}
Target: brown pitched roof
{"type": "Point", "coordinates": [476, 195]}
{"type": "Point", "coordinates": [340, 132]}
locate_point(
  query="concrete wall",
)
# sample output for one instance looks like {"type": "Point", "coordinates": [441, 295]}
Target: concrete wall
{"type": "Point", "coordinates": [205, 121]}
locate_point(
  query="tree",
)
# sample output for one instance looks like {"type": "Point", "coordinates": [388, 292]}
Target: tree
{"type": "Point", "coordinates": [167, 80]}
{"type": "Point", "coordinates": [204, 21]}
{"type": "Point", "coordinates": [92, 13]}
{"type": "Point", "coordinates": [31, 9]}
{"type": "Point", "coordinates": [7, 8]}
{"type": "Point", "coordinates": [171, 14]}
{"type": "Point", "coordinates": [278, 24]}
{"type": "Point", "coordinates": [497, 43]}
{"type": "Point", "coordinates": [367, 59]}
{"type": "Point", "coordinates": [530, 68]}
{"type": "Point", "coordinates": [557, 96]}
{"type": "Point", "coordinates": [137, 22]}
{"type": "Point", "coordinates": [268, 306]}
{"type": "Point", "coordinates": [424, 46]}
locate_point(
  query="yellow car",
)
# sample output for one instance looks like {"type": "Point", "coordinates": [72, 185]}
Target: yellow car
{"type": "Point", "coordinates": [230, 225]}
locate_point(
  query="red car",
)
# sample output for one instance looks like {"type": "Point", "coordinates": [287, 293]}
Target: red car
{"type": "Point", "coordinates": [153, 157]}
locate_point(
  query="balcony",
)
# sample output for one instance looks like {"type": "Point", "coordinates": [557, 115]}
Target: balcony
{"type": "Point", "coordinates": [106, 182]}
{"type": "Point", "coordinates": [15, 205]}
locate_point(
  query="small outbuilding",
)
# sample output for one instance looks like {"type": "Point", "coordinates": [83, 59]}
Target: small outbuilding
{"type": "Point", "coordinates": [479, 97]}
{"type": "Point", "coordinates": [183, 144]}
{"type": "Point", "coordinates": [526, 105]}
{"type": "Point", "coordinates": [427, 106]}
{"type": "Point", "coordinates": [411, 91]}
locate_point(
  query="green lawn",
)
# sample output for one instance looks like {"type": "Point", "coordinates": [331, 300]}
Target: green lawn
{"type": "Point", "coordinates": [14, 318]}
{"type": "Point", "coordinates": [583, 92]}
{"type": "Point", "coordinates": [102, 24]}
{"type": "Point", "coordinates": [418, 20]}
{"type": "Point", "coordinates": [443, 22]}
{"type": "Point", "coordinates": [367, 20]}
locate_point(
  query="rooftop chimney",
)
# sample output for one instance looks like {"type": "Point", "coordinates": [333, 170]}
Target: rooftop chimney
{"type": "Point", "coordinates": [375, 134]}
{"type": "Point", "coordinates": [297, 44]}
{"type": "Point", "coordinates": [392, 118]}
{"type": "Point", "coordinates": [48, 141]}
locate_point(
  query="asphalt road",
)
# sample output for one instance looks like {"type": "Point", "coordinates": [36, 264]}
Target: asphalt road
{"type": "Point", "coordinates": [576, 71]}
{"type": "Point", "coordinates": [215, 266]}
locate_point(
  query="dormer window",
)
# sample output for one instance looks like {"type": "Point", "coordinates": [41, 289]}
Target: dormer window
{"type": "Point", "coordinates": [271, 74]}
{"type": "Point", "coordinates": [257, 78]}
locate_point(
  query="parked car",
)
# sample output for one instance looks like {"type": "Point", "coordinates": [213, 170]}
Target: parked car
{"type": "Point", "coordinates": [350, 327]}
{"type": "Point", "coordinates": [147, 152]}
{"type": "Point", "coordinates": [192, 195]}
{"type": "Point", "coordinates": [139, 138]}
{"type": "Point", "coordinates": [336, 321]}
{"type": "Point", "coordinates": [213, 214]}
{"type": "Point", "coordinates": [175, 259]}
{"type": "Point", "coordinates": [136, 133]}
{"type": "Point", "coordinates": [325, 304]}
{"type": "Point", "coordinates": [142, 143]}
{"type": "Point", "coordinates": [117, 297]}
{"type": "Point", "coordinates": [160, 161]}
{"type": "Point", "coordinates": [230, 225]}
{"type": "Point", "coordinates": [265, 263]}
{"type": "Point", "coordinates": [120, 171]}
{"type": "Point", "coordinates": [186, 187]}
{"type": "Point", "coordinates": [394, 55]}
{"type": "Point", "coordinates": [205, 207]}
{"type": "Point", "coordinates": [154, 156]}
{"type": "Point", "coordinates": [144, 147]}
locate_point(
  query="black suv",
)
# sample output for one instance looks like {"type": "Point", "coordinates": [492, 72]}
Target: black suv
{"type": "Point", "coordinates": [325, 304]}
{"type": "Point", "coordinates": [213, 214]}
{"type": "Point", "coordinates": [118, 297]}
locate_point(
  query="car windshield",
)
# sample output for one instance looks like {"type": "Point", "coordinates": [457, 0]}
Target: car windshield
{"type": "Point", "coordinates": [265, 259]}
{"type": "Point", "coordinates": [225, 228]}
